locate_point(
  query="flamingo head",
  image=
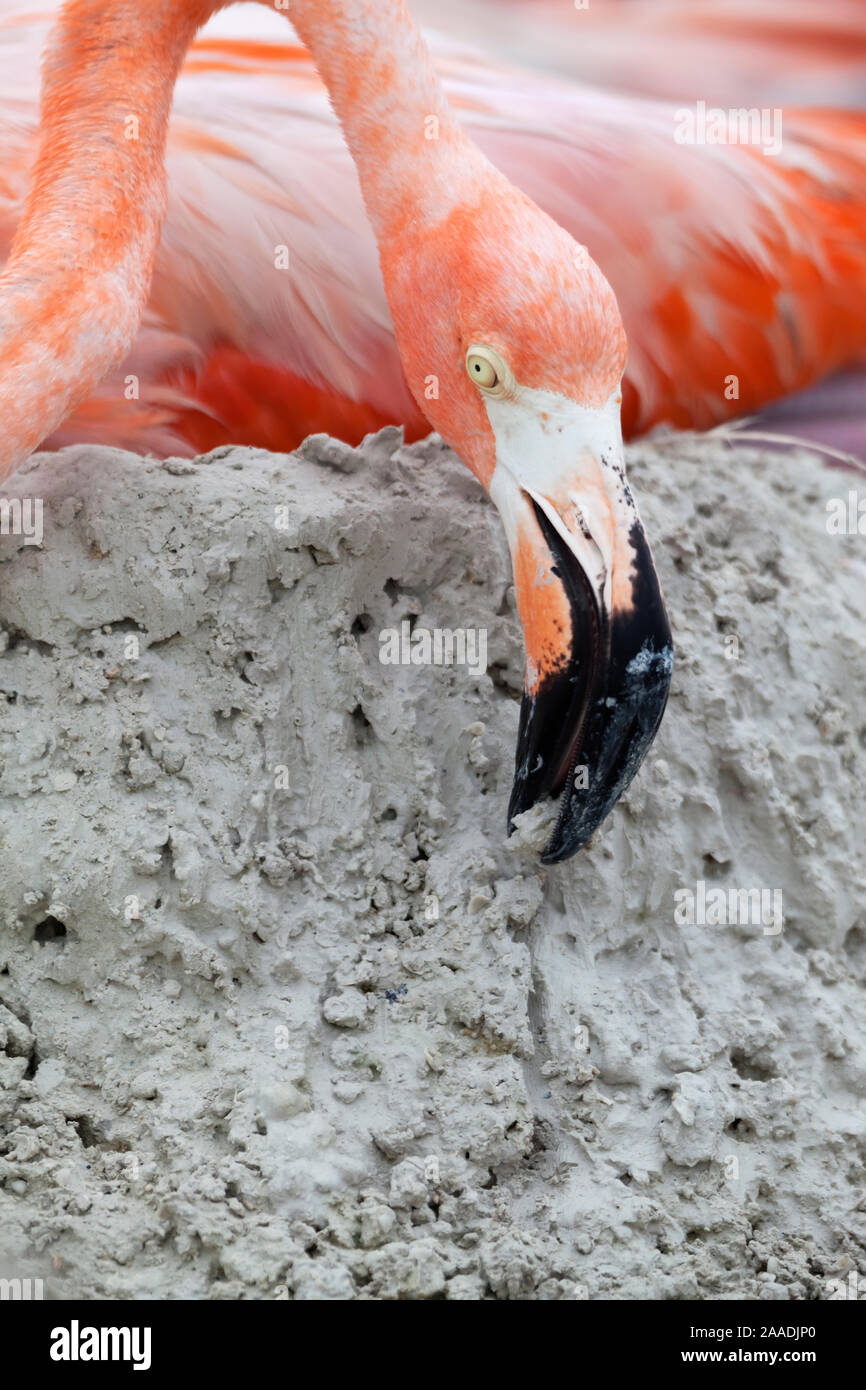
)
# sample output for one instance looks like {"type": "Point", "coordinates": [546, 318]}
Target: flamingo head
{"type": "Point", "coordinates": [513, 345]}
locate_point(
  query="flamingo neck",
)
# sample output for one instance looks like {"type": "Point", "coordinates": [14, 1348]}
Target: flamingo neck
{"type": "Point", "coordinates": [413, 158]}
{"type": "Point", "coordinates": [78, 276]}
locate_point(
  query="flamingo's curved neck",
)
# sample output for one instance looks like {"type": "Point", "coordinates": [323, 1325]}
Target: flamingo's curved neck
{"type": "Point", "coordinates": [412, 156]}
{"type": "Point", "coordinates": [78, 276]}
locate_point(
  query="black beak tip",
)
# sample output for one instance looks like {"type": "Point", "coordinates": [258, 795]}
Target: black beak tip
{"type": "Point", "coordinates": [617, 735]}
{"type": "Point", "coordinates": [586, 729]}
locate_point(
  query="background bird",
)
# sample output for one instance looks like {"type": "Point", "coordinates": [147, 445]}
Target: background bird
{"type": "Point", "coordinates": [726, 263]}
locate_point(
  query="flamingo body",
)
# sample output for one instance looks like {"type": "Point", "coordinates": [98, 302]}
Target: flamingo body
{"type": "Point", "coordinates": [726, 263]}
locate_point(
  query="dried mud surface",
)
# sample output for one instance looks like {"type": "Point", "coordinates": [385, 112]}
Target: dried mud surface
{"type": "Point", "coordinates": [281, 1011]}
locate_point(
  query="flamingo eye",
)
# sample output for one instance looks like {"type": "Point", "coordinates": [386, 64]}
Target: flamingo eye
{"type": "Point", "coordinates": [488, 370]}
{"type": "Point", "coordinates": [482, 372]}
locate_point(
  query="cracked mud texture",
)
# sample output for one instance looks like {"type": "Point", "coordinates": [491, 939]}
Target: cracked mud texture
{"type": "Point", "coordinates": [283, 1014]}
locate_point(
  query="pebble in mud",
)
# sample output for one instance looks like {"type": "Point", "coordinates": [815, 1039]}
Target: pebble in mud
{"type": "Point", "coordinates": [345, 1010]}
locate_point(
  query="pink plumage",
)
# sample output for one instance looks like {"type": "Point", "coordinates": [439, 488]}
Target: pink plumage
{"type": "Point", "coordinates": [722, 259]}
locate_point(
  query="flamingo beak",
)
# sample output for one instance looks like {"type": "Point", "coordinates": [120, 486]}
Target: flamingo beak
{"type": "Point", "coordinates": [599, 653]}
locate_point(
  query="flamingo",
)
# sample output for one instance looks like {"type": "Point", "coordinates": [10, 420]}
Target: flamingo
{"type": "Point", "coordinates": [722, 261]}
{"type": "Point", "coordinates": [510, 338]}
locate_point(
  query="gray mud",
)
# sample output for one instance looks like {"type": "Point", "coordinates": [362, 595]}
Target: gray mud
{"type": "Point", "coordinates": [285, 1015]}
